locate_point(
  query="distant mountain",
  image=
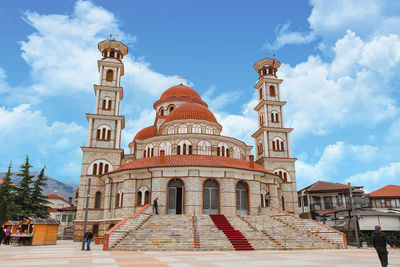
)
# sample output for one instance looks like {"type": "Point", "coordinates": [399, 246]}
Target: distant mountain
{"type": "Point", "coordinates": [63, 190]}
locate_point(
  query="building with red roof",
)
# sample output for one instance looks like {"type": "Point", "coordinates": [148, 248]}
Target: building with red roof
{"type": "Point", "coordinates": [182, 158]}
{"type": "Point", "coordinates": [387, 197]}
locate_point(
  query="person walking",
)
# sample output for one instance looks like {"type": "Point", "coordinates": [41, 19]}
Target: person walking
{"type": "Point", "coordinates": [379, 241]}
{"type": "Point", "coordinates": [155, 205]}
{"type": "Point", "coordinates": [2, 234]}
{"type": "Point", "coordinates": [8, 236]}
{"type": "Point", "coordinates": [88, 238]}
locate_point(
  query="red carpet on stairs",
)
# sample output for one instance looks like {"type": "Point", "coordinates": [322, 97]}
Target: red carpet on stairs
{"type": "Point", "coordinates": [238, 241]}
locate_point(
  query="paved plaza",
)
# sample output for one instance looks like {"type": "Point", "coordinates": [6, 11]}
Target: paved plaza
{"type": "Point", "coordinates": [68, 253]}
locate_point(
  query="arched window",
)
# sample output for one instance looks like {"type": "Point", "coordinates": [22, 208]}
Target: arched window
{"type": "Point", "coordinates": [139, 198]}
{"type": "Point", "coordinates": [171, 130]}
{"type": "Point", "coordinates": [190, 150]}
{"type": "Point", "coordinates": [196, 129]}
{"type": "Point", "coordinates": [227, 153]}
{"type": "Point", "coordinates": [161, 111]}
{"type": "Point", "coordinates": [109, 104]}
{"type": "Point", "coordinates": [261, 94]}
{"type": "Point", "coordinates": [104, 104]}
{"type": "Point", "coordinates": [147, 197]}
{"type": "Point", "coordinates": [218, 151]}
{"type": "Point", "coordinates": [97, 200]}
{"type": "Point", "coordinates": [166, 146]}
{"type": "Point", "coordinates": [101, 168]}
{"type": "Point", "coordinates": [117, 201]}
{"type": "Point", "coordinates": [112, 53]}
{"type": "Point", "coordinates": [144, 153]}
{"type": "Point", "coordinates": [272, 91]}
{"type": "Point", "coordinates": [261, 119]}
{"type": "Point", "coordinates": [282, 146]}
{"type": "Point", "coordinates": [98, 134]}
{"type": "Point", "coordinates": [95, 229]}
{"type": "Point", "coordinates": [276, 117]}
{"type": "Point", "coordinates": [273, 146]}
{"type": "Point", "coordinates": [184, 149]}
{"type": "Point", "coordinates": [108, 135]}
{"type": "Point", "coordinates": [121, 204]}
{"type": "Point", "coordinates": [178, 150]}
{"type": "Point", "coordinates": [103, 134]}
{"type": "Point", "coordinates": [182, 129]}
{"type": "Point", "coordinates": [209, 130]}
{"type": "Point", "coordinates": [106, 168]}
{"type": "Point", "coordinates": [94, 169]}
{"type": "Point", "coordinates": [109, 76]}
{"type": "Point", "coordinates": [171, 108]}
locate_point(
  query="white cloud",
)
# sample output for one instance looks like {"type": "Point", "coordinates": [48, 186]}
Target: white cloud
{"type": "Point", "coordinates": [69, 68]}
{"type": "Point", "coordinates": [350, 90]}
{"type": "Point", "coordinates": [378, 178]}
{"type": "Point", "coordinates": [217, 102]}
{"type": "Point", "coordinates": [329, 21]}
{"type": "Point", "coordinates": [285, 36]}
{"type": "Point", "coordinates": [27, 132]}
{"type": "Point", "coordinates": [329, 165]}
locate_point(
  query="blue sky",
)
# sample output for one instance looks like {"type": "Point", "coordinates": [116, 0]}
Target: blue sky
{"type": "Point", "coordinates": [340, 65]}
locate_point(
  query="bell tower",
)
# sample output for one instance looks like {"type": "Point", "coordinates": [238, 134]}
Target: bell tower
{"type": "Point", "coordinates": [102, 152]}
{"type": "Point", "coordinates": [272, 139]}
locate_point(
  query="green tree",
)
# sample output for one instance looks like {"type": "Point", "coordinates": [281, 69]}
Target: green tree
{"type": "Point", "coordinates": [24, 192]}
{"type": "Point", "coordinates": [39, 201]}
{"type": "Point", "coordinates": [8, 208]}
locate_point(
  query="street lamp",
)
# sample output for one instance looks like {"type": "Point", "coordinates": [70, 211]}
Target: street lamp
{"type": "Point", "coordinates": [86, 214]}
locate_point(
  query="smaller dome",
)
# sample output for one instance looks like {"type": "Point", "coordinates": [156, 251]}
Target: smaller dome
{"type": "Point", "coordinates": [180, 93]}
{"type": "Point", "coordinates": [146, 133]}
{"type": "Point", "coordinates": [191, 111]}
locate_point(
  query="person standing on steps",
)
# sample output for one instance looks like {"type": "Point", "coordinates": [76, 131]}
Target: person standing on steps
{"type": "Point", "coordinates": [155, 205]}
{"type": "Point", "coordinates": [379, 241]}
{"type": "Point", "coordinates": [88, 238]}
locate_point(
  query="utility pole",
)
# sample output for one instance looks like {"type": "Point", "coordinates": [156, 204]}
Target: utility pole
{"type": "Point", "coordinates": [86, 214]}
{"type": "Point", "coordinates": [354, 217]}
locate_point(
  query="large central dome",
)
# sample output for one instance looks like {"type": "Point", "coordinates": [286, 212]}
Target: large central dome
{"type": "Point", "coordinates": [182, 93]}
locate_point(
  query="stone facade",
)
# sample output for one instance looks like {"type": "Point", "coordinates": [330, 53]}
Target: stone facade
{"type": "Point", "coordinates": [182, 160]}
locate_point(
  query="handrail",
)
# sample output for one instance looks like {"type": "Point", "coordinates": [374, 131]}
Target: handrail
{"type": "Point", "coordinates": [107, 234]}
{"type": "Point", "coordinates": [344, 235]}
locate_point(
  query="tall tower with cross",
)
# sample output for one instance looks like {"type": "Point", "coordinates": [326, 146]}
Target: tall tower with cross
{"type": "Point", "coordinates": [103, 152]}
{"type": "Point", "coordinates": [272, 139]}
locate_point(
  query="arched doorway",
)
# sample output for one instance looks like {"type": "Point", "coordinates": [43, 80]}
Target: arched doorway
{"type": "Point", "coordinates": [175, 196]}
{"type": "Point", "coordinates": [210, 197]}
{"type": "Point", "coordinates": [241, 198]}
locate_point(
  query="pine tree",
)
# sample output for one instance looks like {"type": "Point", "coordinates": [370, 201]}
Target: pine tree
{"type": "Point", "coordinates": [24, 192]}
{"type": "Point", "coordinates": [39, 201]}
{"type": "Point", "coordinates": [7, 198]}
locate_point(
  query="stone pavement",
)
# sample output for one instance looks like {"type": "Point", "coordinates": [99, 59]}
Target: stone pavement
{"type": "Point", "coordinates": [68, 253]}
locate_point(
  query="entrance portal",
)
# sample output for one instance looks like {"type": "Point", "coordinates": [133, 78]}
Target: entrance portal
{"type": "Point", "coordinates": [175, 196]}
{"type": "Point", "coordinates": [210, 197]}
{"type": "Point", "coordinates": [241, 198]}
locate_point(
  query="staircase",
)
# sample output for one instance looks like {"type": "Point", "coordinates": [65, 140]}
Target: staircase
{"type": "Point", "coordinates": [161, 232]}
{"type": "Point", "coordinates": [238, 241]}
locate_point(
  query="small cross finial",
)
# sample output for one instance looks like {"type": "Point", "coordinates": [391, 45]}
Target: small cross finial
{"type": "Point", "coordinates": [181, 79]}
{"type": "Point", "coordinates": [113, 35]}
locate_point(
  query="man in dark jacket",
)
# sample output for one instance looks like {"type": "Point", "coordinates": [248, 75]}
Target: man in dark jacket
{"type": "Point", "coordinates": [379, 240]}
{"type": "Point", "coordinates": [155, 205]}
{"type": "Point", "coordinates": [2, 234]}
{"type": "Point", "coordinates": [88, 238]}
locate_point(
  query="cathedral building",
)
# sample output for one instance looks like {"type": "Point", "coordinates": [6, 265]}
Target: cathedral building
{"type": "Point", "coordinates": [182, 159]}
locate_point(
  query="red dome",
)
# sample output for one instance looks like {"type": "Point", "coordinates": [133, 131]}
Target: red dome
{"type": "Point", "coordinates": [180, 93]}
{"type": "Point", "coordinates": [191, 111]}
{"type": "Point", "coordinates": [146, 133]}
{"type": "Point", "coordinates": [180, 90]}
